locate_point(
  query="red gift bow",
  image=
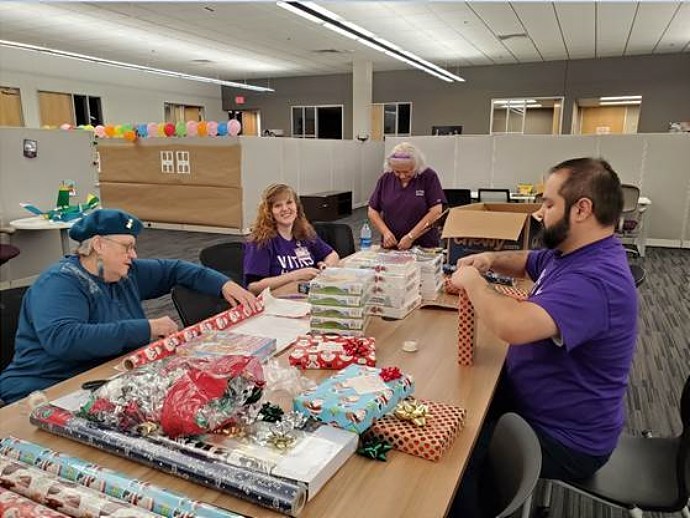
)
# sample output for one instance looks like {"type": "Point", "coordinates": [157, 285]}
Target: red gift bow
{"type": "Point", "coordinates": [390, 373]}
{"type": "Point", "coordinates": [356, 348]}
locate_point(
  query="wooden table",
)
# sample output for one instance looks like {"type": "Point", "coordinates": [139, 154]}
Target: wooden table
{"type": "Point", "coordinates": [405, 486]}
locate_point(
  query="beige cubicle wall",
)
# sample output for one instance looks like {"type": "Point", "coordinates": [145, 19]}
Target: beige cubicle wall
{"type": "Point", "coordinates": [659, 163]}
{"type": "Point", "coordinates": [61, 155]}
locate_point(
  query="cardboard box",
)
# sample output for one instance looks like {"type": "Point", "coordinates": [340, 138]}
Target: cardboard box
{"type": "Point", "coordinates": [443, 423]}
{"type": "Point", "coordinates": [353, 398]}
{"type": "Point", "coordinates": [480, 227]}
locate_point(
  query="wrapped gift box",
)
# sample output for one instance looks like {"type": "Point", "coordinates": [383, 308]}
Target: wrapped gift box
{"type": "Point", "coordinates": [466, 329]}
{"type": "Point", "coordinates": [443, 423]}
{"type": "Point", "coordinates": [354, 398]}
{"type": "Point", "coordinates": [332, 352]}
{"type": "Point", "coordinates": [220, 343]}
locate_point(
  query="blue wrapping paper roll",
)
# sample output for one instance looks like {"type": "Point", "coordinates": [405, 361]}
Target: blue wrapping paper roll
{"type": "Point", "coordinates": [282, 495]}
{"type": "Point", "coordinates": [118, 485]}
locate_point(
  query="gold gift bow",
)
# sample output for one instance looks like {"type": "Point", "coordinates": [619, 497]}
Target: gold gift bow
{"type": "Point", "coordinates": [413, 411]}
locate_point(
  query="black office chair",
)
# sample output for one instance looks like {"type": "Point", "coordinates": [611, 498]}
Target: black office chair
{"type": "Point", "coordinates": [494, 195]}
{"type": "Point", "coordinates": [515, 459]}
{"type": "Point", "coordinates": [227, 258]}
{"type": "Point", "coordinates": [193, 307]}
{"type": "Point", "coordinates": [639, 274]}
{"type": "Point", "coordinates": [458, 197]}
{"type": "Point", "coordinates": [338, 235]}
{"type": "Point", "coordinates": [10, 307]}
{"type": "Point", "coordinates": [644, 473]}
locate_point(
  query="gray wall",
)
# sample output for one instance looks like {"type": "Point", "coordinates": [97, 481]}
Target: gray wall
{"type": "Point", "coordinates": [662, 80]}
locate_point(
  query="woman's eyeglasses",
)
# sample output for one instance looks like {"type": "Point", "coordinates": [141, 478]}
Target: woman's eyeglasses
{"type": "Point", "coordinates": [129, 247]}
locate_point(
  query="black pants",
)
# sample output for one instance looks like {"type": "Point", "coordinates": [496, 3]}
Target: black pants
{"type": "Point", "coordinates": [476, 493]}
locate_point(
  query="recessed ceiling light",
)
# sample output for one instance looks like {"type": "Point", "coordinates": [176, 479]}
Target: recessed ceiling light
{"type": "Point", "coordinates": [504, 37]}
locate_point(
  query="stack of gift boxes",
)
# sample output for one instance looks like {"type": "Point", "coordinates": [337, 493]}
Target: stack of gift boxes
{"type": "Point", "coordinates": [431, 273]}
{"type": "Point", "coordinates": [396, 282]}
{"type": "Point", "coordinates": [338, 297]}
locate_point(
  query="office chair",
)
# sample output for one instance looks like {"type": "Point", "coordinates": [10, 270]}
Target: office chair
{"type": "Point", "coordinates": [515, 459]}
{"type": "Point", "coordinates": [629, 222]}
{"type": "Point", "coordinates": [10, 307]}
{"type": "Point", "coordinates": [193, 307]}
{"type": "Point", "coordinates": [644, 473]}
{"type": "Point", "coordinates": [494, 195]}
{"type": "Point", "coordinates": [639, 274]}
{"type": "Point", "coordinates": [338, 235]}
{"type": "Point", "coordinates": [7, 251]}
{"type": "Point", "coordinates": [458, 197]}
{"type": "Point", "coordinates": [227, 258]}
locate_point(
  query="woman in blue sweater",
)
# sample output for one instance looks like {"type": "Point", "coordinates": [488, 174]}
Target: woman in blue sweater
{"type": "Point", "coordinates": [86, 309]}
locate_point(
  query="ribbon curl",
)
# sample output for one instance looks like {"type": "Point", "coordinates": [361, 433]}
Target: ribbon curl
{"type": "Point", "coordinates": [271, 413]}
{"type": "Point", "coordinates": [375, 449]}
{"type": "Point", "coordinates": [390, 373]}
{"type": "Point", "coordinates": [356, 348]}
{"type": "Point", "coordinates": [413, 411]}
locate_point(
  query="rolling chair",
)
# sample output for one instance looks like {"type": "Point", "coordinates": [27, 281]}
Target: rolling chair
{"type": "Point", "coordinates": [338, 235]}
{"type": "Point", "coordinates": [639, 274]}
{"type": "Point", "coordinates": [515, 459]}
{"type": "Point", "coordinates": [10, 307]}
{"type": "Point", "coordinates": [458, 197]}
{"type": "Point", "coordinates": [227, 258]}
{"type": "Point", "coordinates": [7, 251]}
{"type": "Point", "coordinates": [629, 222]}
{"type": "Point", "coordinates": [644, 473]}
{"type": "Point", "coordinates": [493, 195]}
{"type": "Point", "coordinates": [193, 307]}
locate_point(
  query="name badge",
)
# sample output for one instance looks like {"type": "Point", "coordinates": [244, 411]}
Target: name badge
{"type": "Point", "coordinates": [419, 192]}
{"type": "Point", "coordinates": [302, 253]}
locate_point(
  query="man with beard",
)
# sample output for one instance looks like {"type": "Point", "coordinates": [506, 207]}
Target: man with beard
{"type": "Point", "coordinates": [572, 341]}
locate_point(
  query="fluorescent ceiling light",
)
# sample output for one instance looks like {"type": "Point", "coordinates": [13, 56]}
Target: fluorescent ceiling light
{"type": "Point", "coordinates": [621, 98]}
{"type": "Point", "coordinates": [317, 14]}
{"type": "Point", "coordinates": [130, 66]}
{"type": "Point", "coordinates": [619, 103]}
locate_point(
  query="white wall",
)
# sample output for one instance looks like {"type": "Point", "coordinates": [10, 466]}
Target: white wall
{"type": "Point", "coordinates": [658, 163]}
{"type": "Point", "coordinates": [126, 96]}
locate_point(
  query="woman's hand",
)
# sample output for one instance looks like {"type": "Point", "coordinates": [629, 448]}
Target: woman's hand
{"type": "Point", "coordinates": [405, 243]}
{"type": "Point", "coordinates": [236, 294]}
{"type": "Point", "coordinates": [389, 240]}
{"type": "Point", "coordinates": [304, 274]}
{"type": "Point", "coordinates": [161, 327]}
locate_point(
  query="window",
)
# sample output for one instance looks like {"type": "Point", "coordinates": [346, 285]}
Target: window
{"type": "Point", "coordinates": [10, 107]}
{"type": "Point", "coordinates": [167, 162]}
{"type": "Point", "coordinates": [182, 158]}
{"type": "Point", "coordinates": [606, 115]}
{"type": "Point", "coordinates": [325, 122]}
{"type": "Point", "coordinates": [183, 112]}
{"type": "Point", "coordinates": [58, 108]}
{"type": "Point", "coordinates": [535, 116]}
{"type": "Point", "coordinates": [87, 110]}
{"type": "Point", "coordinates": [391, 119]}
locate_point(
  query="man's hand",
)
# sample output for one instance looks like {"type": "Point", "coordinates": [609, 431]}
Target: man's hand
{"type": "Point", "coordinates": [389, 240]}
{"type": "Point", "coordinates": [236, 294]}
{"type": "Point", "coordinates": [161, 327]}
{"type": "Point", "coordinates": [464, 276]}
{"type": "Point", "coordinates": [482, 262]}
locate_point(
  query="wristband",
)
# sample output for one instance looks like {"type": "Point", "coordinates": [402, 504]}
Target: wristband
{"type": "Point", "coordinates": [410, 237]}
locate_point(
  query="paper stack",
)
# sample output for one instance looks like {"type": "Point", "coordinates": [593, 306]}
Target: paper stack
{"type": "Point", "coordinates": [338, 297]}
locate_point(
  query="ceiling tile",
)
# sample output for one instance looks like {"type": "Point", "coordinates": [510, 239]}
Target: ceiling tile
{"type": "Point", "coordinates": [677, 35]}
{"type": "Point", "coordinates": [614, 23]}
{"type": "Point", "coordinates": [650, 23]}
{"type": "Point", "coordinates": [539, 19]}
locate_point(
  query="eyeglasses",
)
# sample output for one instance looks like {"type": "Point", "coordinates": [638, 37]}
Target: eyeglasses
{"type": "Point", "coordinates": [129, 247]}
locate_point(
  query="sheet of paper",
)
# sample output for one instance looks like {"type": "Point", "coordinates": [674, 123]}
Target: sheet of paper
{"type": "Point", "coordinates": [284, 330]}
{"type": "Point", "coordinates": [284, 307]}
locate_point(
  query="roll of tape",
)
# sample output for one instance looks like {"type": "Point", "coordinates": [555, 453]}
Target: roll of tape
{"type": "Point", "coordinates": [409, 346]}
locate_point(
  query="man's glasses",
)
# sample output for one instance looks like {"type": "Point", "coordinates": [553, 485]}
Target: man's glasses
{"type": "Point", "coordinates": [129, 247]}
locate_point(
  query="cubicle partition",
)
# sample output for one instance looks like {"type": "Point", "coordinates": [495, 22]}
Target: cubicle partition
{"type": "Point", "coordinates": [659, 163]}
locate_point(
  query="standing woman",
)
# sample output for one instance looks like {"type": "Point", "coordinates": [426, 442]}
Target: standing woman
{"type": "Point", "coordinates": [407, 200]}
{"type": "Point", "coordinates": [283, 246]}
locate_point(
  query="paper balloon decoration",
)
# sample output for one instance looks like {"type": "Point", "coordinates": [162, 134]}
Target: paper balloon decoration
{"type": "Point", "coordinates": [160, 130]}
{"type": "Point", "coordinates": [87, 127]}
{"type": "Point", "coordinates": [212, 128]}
{"type": "Point", "coordinates": [180, 129]}
{"type": "Point", "coordinates": [234, 127]}
{"type": "Point", "coordinates": [191, 128]}
{"type": "Point", "coordinates": [202, 129]}
{"type": "Point", "coordinates": [222, 129]}
{"type": "Point", "coordinates": [118, 130]}
{"type": "Point", "coordinates": [110, 130]}
{"type": "Point", "coordinates": [152, 129]}
{"type": "Point", "coordinates": [142, 130]}
{"type": "Point", "coordinates": [169, 129]}
{"type": "Point", "coordinates": [99, 131]}
{"type": "Point", "coordinates": [65, 126]}
{"type": "Point", "coordinates": [129, 135]}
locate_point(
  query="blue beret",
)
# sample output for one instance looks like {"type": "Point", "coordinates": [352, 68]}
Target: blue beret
{"type": "Point", "coordinates": [105, 222]}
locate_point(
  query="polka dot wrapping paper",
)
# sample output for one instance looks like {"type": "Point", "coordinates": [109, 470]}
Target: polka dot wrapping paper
{"type": "Point", "coordinates": [443, 423]}
{"type": "Point", "coordinates": [467, 328]}
{"type": "Point", "coordinates": [511, 291]}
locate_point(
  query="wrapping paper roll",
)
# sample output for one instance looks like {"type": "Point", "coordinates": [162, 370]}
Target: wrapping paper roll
{"type": "Point", "coordinates": [142, 494]}
{"type": "Point", "coordinates": [64, 496]}
{"type": "Point", "coordinates": [13, 504]}
{"type": "Point", "coordinates": [283, 495]}
{"type": "Point", "coordinates": [166, 346]}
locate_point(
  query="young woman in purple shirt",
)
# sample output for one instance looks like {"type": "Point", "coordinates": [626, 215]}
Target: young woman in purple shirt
{"type": "Point", "coordinates": [573, 340]}
{"type": "Point", "coordinates": [407, 200]}
{"type": "Point", "coordinates": [283, 246]}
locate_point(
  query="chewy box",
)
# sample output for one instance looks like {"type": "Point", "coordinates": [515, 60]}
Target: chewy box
{"type": "Point", "coordinates": [481, 227]}
{"type": "Point", "coordinates": [353, 398]}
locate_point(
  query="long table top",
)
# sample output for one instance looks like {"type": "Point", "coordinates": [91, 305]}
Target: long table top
{"type": "Point", "coordinates": [404, 485]}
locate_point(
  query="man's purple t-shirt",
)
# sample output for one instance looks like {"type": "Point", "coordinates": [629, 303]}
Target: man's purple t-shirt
{"type": "Point", "coordinates": [403, 207]}
{"type": "Point", "coordinates": [574, 392]}
{"type": "Point", "coordinates": [278, 256]}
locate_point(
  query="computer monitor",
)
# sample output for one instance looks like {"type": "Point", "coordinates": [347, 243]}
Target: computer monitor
{"type": "Point", "coordinates": [446, 130]}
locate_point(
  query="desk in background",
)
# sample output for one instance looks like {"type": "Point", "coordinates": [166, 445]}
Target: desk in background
{"type": "Point", "coordinates": [404, 485]}
{"type": "Point", "coordinates": [327, 206]}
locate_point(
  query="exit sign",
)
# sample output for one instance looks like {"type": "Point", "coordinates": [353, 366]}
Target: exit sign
{"type": "Point", "coordinates": [239, 99]}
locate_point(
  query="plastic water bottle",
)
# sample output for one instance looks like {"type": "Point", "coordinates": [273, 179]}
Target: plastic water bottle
{"type": "Point", "coordinates": [365, 237]}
